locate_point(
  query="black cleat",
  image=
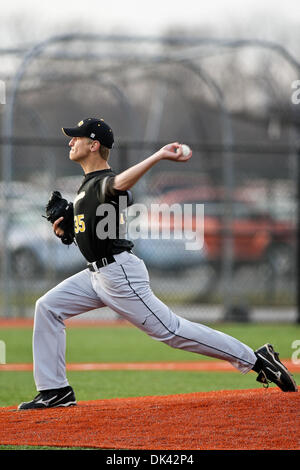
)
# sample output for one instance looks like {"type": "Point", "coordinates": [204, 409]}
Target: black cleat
{"type": "Point", "coordinates": [270, 369]}
{"type": "Point", "coordinates": [51, 399]}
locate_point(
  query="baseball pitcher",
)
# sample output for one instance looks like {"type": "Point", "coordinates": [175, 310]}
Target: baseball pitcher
{"type": "Point", "coordinates": [116, 277]}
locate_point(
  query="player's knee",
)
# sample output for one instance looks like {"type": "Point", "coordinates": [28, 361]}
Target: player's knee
{"type": "Point", "coordinates": [176, 342]}
{"type": "Point", "coordinates": [45, 316]}
{"type": "Point", "coordinates": [40, 304]}
{"type": "Point", "coordinates": [43, 306]}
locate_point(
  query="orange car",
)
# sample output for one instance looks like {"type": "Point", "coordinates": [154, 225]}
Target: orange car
{"type": "Point", "coordinates": [256, 235]}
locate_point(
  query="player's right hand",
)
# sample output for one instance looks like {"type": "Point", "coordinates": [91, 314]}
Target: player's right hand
{"type": "Point", "coordinates": [58, 231]}
{"type": "Point", "coordinates": [173, 152]}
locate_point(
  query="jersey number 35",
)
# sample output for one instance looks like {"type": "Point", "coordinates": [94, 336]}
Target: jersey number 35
{"type": "Point", "coordinates": [79, 225]}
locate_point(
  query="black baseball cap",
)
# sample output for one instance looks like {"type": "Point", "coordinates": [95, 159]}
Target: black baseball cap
{"type": "Point", "coordinates": [93, 128]}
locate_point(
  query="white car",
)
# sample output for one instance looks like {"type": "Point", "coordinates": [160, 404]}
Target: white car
{"type": "Point", "coordinates": [34, 250]}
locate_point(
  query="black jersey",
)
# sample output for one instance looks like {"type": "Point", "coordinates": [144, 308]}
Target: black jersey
{"type": "Point", "coordinates": [99, 217]}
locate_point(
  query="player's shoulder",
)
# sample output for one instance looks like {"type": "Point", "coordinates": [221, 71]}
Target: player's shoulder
{"type": "Point", "coordinates": [95, 177]}
{"type": "Point", "coordinates": [105, 174]}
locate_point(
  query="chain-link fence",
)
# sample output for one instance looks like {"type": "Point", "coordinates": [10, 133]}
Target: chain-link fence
{"type": "Point", "coordinates": [247, 265]}
{"type": "Point", "coordinates": [231, 100]}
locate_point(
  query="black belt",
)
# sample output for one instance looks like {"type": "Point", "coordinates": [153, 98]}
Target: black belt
{"type": "Point", "coordinates": [101, 263]}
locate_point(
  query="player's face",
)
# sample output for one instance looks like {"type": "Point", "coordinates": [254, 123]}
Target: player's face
{"type": "Point", "coordinates": [80, 148]}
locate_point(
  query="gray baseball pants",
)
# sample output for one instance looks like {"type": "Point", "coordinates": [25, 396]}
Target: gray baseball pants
{"type": "Point", "coordinates": [124, 287]}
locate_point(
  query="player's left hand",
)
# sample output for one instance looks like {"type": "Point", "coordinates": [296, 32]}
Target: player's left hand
{"type": "Point", "coordinates": [174, 152]}
{"type": "Point", "coordinates": [56, 229]}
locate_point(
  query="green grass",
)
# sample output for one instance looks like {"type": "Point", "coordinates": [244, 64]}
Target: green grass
{"type": "Point", "coordinates": [96, 385]}
{"type": "Point", "coordinates": [128, 344]}
{"type": "Point", "coordinates": [123, 344]}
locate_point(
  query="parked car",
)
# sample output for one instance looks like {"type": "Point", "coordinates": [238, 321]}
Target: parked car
{"type": "Point", "coordinates": [168, 255]}
{"type": "Point", "coordinates": [257, 236]}
{"type": "Point", "coordinates": [33, 248]}
{"type": "Point", "coordinates": [164, 252]}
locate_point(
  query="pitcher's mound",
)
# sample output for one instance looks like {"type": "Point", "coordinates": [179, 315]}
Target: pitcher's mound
{"type": "Point", "coordinates": [240, 419]}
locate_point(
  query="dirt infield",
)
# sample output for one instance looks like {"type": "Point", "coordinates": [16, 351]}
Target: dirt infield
{"type": "Point", "coordinates": [204, 366]}
{"type": "Point", "coordinates": [71, 323]}
{"type": "Point", "coordinates": [243, 419]}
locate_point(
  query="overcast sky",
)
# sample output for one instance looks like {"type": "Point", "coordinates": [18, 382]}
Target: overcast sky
{"type": "Point", "coordinates": [152, 17]}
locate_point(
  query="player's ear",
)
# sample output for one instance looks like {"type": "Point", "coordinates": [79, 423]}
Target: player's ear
{"type": "Point", "coordinates": [95, 146]}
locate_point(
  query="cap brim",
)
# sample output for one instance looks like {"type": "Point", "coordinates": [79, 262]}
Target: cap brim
{"type": "Point", "coordinates": [73, 131]}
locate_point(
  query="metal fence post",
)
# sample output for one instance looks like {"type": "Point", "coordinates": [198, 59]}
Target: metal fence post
{"type": "Point", "coordinates": [298, 239]}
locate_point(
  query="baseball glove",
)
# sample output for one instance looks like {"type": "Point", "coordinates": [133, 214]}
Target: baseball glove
{"type": "Point", "coordinates": [58, 207]}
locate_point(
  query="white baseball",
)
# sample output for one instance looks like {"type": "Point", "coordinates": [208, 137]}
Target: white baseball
{"type": "Point", "coordinates": [185, 150]}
